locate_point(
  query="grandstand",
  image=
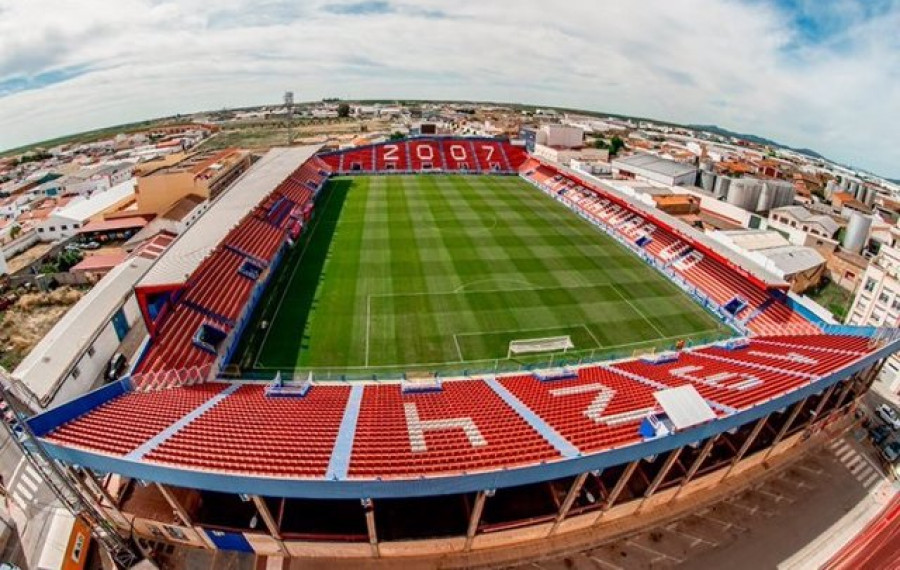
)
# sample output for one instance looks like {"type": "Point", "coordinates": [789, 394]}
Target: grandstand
{"type": "Point", "coordinates": [460, 463]}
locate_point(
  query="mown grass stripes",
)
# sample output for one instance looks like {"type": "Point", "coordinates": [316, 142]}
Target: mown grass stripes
{"type": "Point", "coordinates": [410, 271]}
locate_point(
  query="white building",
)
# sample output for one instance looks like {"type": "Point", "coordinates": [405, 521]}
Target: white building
{"type": "Point", "coordinates": [877, 303]}
{"type": "Point", "coordinates": [797, 222]}
{"type": "Point", "coordinates": [800, 266]}
{"type": "Point", "coordinates": [560, 136]}
{"type": "Point", "coordinates": [12, 206]}
{"type": "Point", "coordinates": [89, 181]}
{"type": "Point", "coordinates": [64, 222]}
{"type": "Point", "coordinates": [566, 155]}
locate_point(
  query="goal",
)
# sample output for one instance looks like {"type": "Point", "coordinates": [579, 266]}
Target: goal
{"type": "Point", "coordinates": [532, 345]}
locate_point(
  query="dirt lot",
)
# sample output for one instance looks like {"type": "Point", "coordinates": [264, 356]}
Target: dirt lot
{"type": "Point", "coordinates": [260, 137]}
{"type": "Point", "coordinates": [27, 321]}
{"type": "Point", "coordinates": [26, 257]}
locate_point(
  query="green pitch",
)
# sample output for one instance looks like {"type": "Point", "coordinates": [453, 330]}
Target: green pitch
{"type": "Point", "coordinates": [442, 272]}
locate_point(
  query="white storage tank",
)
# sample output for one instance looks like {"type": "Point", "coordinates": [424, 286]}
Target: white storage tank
{"type": "Point", "coordinates": [707, 180]}
{"type": "Point", "coordinates": [723, 184]}
{"type": "Point", "coordinates": [857, 232]}
{"type": "Point", "coordinates": [744, 193]}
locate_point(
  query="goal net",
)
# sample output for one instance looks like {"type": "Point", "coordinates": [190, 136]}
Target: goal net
{"type": "Point", "coordinates": [532, 345]}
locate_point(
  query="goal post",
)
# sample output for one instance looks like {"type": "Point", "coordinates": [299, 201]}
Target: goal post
{"type": "Point", "coordinates": [535, 345]}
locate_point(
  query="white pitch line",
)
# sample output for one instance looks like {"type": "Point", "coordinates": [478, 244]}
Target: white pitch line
{"type": "Point", "coordinates": [368, 325]}
{"type": "Point", "coordinates": [597, 342]}
{"type": "Point", "coordinates": [458, 350]}
{"type": "Point", "coordinates": [291, 278]}
{"type": "Point", "coordinates": [528, 287]}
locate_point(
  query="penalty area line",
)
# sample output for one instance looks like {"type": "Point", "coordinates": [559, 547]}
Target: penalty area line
{"type": "Point", "coordinates": [368, 324]}
{"type": "Point", "coordinates": [458, 349]}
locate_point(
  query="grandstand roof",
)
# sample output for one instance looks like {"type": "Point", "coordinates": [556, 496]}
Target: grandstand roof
{"type": "Point", "coordinates": [42, 372]}
{"type": "Point", "coordinates": [191, 247]}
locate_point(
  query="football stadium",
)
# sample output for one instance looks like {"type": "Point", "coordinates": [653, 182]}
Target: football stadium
{"type": "Point", "coordinates": [447, 351]}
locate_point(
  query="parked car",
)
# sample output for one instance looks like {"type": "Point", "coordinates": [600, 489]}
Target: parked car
{"type": "Point", "coordinates": [115, 367]}
{"type": "Point", "coordinates": [880, 433]}
{"type": "Point", "coordinates": [890, 451]}
{"type": "Point", "coordinates": [90, 245]}
{"type": "Point", "coordinates": [889, 415]}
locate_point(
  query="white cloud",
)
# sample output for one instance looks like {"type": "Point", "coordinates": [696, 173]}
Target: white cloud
{"type": "Point", "coordinates": [743, 65]}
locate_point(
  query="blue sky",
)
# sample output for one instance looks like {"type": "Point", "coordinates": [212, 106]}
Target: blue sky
{"type": "Point", "coordinates": [819, 74]}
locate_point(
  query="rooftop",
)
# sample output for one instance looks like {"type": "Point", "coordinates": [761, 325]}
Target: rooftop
{"type": "Point", "coordinates": [183, 207]}
{"type": "Point", "coordinates": [803, 215]}
{"type": "Point", "coordinates": [99, 202]}
{"type": "Point", "coordinates": [114, 224]}
{"type": "Point", "coordinates": [100, 262]}
{"type": "Point", "coordinates": [752, 240]}
{"type": "Point", "coordinates": [655, 164]}
{"type": "Point", "coordinates": [200, 162]}
{"type": "Point", "coordinates": [792, 259]}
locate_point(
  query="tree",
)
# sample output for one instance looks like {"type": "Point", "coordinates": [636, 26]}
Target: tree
{"type": "Point", "coordinates": [600, 143]}
{"type": "Point", "coordinates": [615, 145]}
{"type": "Point", "coordinates": [15, 231]}
{"type": "Point", "coordinates": [343, 110]}
{"type": "Point", "coordinates": [396, 135]}
{"type": "Point", "coordinates": [70, 258]}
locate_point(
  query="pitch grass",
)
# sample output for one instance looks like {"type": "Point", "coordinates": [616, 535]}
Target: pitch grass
{"type": "Point", "coordinates": [441, 272]}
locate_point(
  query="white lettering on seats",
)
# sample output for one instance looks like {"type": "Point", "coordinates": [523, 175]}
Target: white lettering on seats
{"type": "Point", "coordinates": [418, 427]}
{"type": "Point", "coordinates": [789, 357]}
{"type": "Point", "coordinates": [420, 152]}
{"type": "Point", "coordinates": [718, 379]}
{"type": "Point", "coordinates": [598, 405]}
{"type": "Point", "coordinates": [490, 151]}
{"type": "Point", "coordinates": [390, 152]}
{"type": "Point", "coordinates": [458, 152]}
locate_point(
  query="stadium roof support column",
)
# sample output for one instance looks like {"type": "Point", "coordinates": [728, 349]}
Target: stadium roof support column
{"type": "Point", "coordinates": [848, 384]}
{"type": "Point", "coordinates": [617, 490]}
{"type": "Point", "coordinates": [695, 466]}
{"type": "Point", "coordinates": [475, 519]}
{"type": "Point", "coordinates": [657, 481]}
{"type": "Point", "coordinates": [270, 522]}
{"type": "Point", "coordinates": [787, 425]}
{"type": "Point", "coordinates": [182, 514]}
{"type": "Point", "coordinates": [92, 481]}
{"type": "Point", "coordinates": [825, 397]}
{"type": "Point", "coordinates": [369, 508]}
{"type": "Point", "coordinates": [574, 490]}
{"type": "Point", "coordinates": [747, 443]}
{"type": "Point", "coordinates": [872, 374]}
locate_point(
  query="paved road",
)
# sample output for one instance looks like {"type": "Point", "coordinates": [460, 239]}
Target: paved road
{"type": "Point", "coordinates": [30, 504]}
